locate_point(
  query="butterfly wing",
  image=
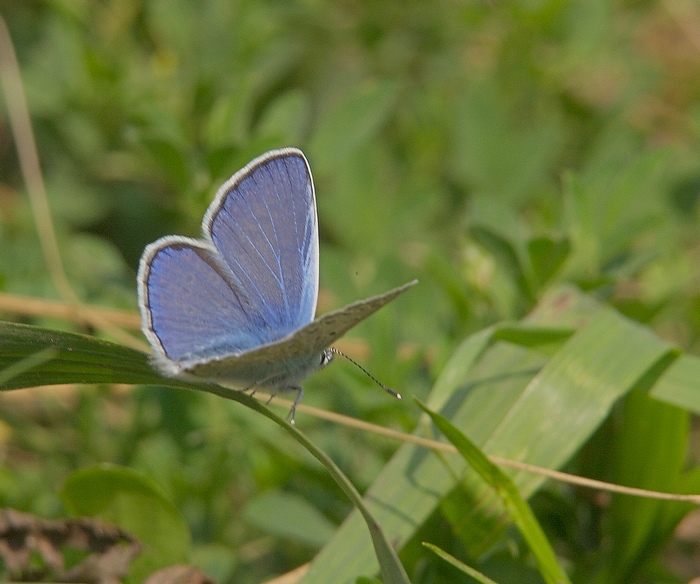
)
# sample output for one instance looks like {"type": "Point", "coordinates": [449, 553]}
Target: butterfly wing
{"type": "Point", "coordinates": [252, 280]}
{"type": "Point", "coordinates": [263, 223]}
{"type": "Point", "coordinates": [190, 310]}
{"type": "Point", "coordinates": [292, 358]}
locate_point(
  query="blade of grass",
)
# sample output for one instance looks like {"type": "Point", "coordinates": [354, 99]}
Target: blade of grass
{"type": "Point", "coordinates": [478, 576]}
{"type": "Point", "coordinates": [519, 510]}
{"type": "Point", "coordinates": [22, 366]}
{"type": "Point", "coordinates": [679, 385]}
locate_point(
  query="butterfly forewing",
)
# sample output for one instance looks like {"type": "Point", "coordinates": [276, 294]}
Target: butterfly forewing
{"type": "Point", "coordinates": [263, 223]}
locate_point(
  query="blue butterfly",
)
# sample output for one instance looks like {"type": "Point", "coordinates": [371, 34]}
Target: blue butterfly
{"type": "Point", "coordinates": [237, 306]}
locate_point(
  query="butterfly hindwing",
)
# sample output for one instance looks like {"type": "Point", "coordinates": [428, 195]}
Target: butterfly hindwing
{"type": "Point", "coordinates": [190, 310]}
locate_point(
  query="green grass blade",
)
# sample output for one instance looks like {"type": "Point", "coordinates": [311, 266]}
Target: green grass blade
{"type": "Point", "coordinates": [75, 359]}
{"type": "Point", "coordinates": [519, 510]}
{"type": "Point", "coordinates": [603, 361]}
{"type": "Point", "coordinates": [527, 335]}
{"type": "Point", "coordinates": [679, 384]}
{"type": "Point", "coordinates": [478, 576]}
{"type": "Point", "coordinates": [637, 527]}
{"type": "Point", "coordinates": [28, 363]}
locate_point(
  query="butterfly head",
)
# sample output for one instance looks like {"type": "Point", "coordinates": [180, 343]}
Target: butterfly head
{"type": "Point", "coordinates": [326, 357]}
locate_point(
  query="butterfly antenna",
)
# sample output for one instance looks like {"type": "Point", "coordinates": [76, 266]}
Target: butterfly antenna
{"type": "Point", "coordinates": [367, 373]}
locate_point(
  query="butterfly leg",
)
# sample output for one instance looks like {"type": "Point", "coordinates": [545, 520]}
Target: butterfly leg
{"type": "Point", "coordinates": [254, 388]}
{"type": "Point", "coordinates": [297, 399]}
{"type": "Point", "coordinates": [273, 392]}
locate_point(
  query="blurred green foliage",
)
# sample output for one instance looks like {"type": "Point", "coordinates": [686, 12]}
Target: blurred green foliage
{"type": "Point", "coordinates": [492, 149]}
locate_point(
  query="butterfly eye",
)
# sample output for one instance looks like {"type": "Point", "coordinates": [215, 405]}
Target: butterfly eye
{"type": "Point", "coordinates": [326, 357]}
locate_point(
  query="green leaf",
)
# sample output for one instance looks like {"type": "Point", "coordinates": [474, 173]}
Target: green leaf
{"type": "Point", "coordinates": [471, 349]}
{"type": "Point", "coordinates": [136, 504]}
{"type": "Point", "coordinates": [609, 207]}
{"type": "Point", "coordinates": [621, 202]}
{"type": "Point", "coordinates": [497, 153]}
{"type": "Point", "coordinates": [518, 509]}
{"type": "Point", "coordinates": [580, 218]}
{"type": "Point", "coordinates": [290, 516]}
{"type": "Point", "coordinates": [392, 571]}
{"type": "Point", "coordinates": [30, 362]}
{"type": "Point", "coordinates": [531, 336]}
{"type": "Point", "coordinates": [74, 359]}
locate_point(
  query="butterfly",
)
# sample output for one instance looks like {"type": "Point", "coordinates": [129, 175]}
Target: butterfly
{"type": "Point", "coordinates": [237, 306]}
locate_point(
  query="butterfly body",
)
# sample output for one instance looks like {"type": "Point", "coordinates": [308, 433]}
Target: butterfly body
{"type": "Point", "coordinates": [237, 306]}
